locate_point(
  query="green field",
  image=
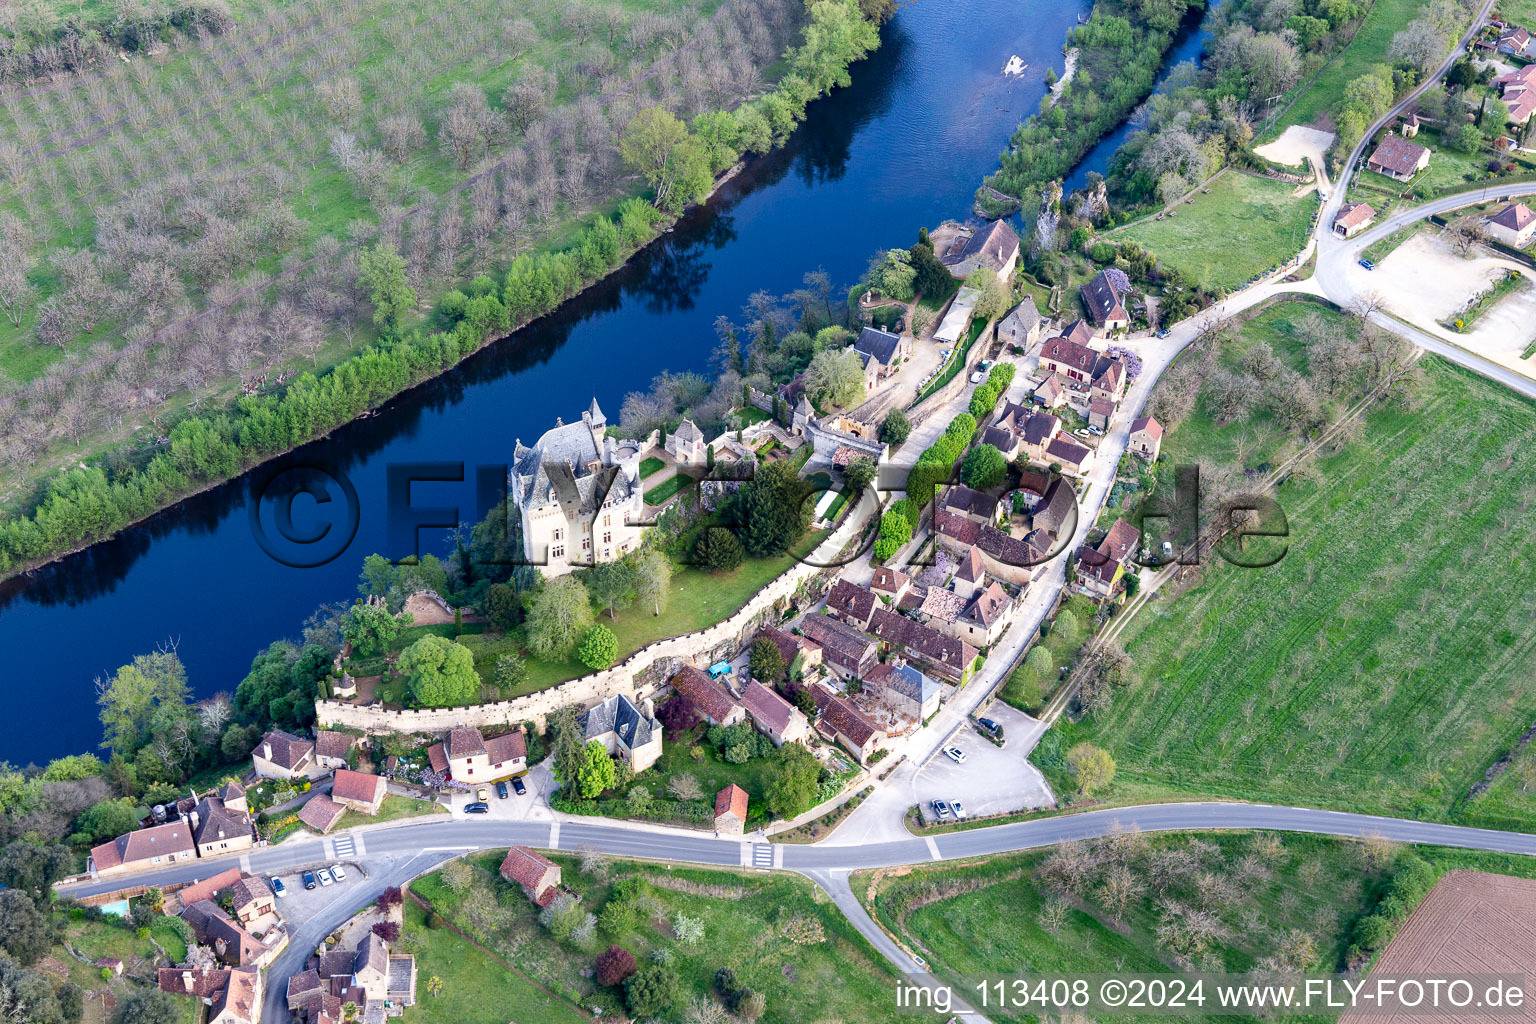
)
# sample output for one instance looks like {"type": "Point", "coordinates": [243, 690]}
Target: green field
{"type": "Point", "coordinates": [1316, 97]}
{"type": "Point", "coordinates": [778, 933]}
{"type": "Point", "coordinates": [1247, 225]}
{"type": "Point", "coordinates": [1384, 663]}
{"type": "Point", "coordinates": [1292, 897]}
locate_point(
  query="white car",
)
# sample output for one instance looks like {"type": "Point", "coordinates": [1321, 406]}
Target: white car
{"type": "Point", "coordinates": [958, 808]}
{"type": "Point", "coordinates": [340, 875]}
{"type": "Point", "coordinates": [978, 377]}
{"type": "Point", "coordinates": [955, 754]}
{"type": "Point", "coordinates": [324, 876]}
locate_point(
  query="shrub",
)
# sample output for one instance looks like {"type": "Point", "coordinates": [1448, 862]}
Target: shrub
{"type": "Point", "coordinates": [650, 991]}
{"type": "Point", "coordinates": [615, 966]}
{"type": "Point", "coordinates": [599, 648]}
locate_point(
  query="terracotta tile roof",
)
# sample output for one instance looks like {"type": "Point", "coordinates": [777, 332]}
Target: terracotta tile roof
{"type": "Point", "coordinates": [929, 644]}
{"type": "Point", "coordinates": [1149, 426]}
{"type": "Point", "coordinates": [333, 744]}
{"type": "Point", "coordinates": [359, 786]}
{"type": "Point", "coordinates": [1120, 541]}
{"type": "Point", "coordinates": [971, 568]}
{"type": "Point", "coordinates": [1108, 374]}
{"type": "Point", "coordinates": [437, 759]}
{"type": "Point", "coordinates": [889, 581]}
{"type": "Point", "coordinates": [199, 982]}
{"type": "Point", "coordinates": [788, 645]}
{"type": "Point", "coordinates": [1397, 154]}
{"type": "Point", "coordinates": [1352, 215]}
{"type": "Point", "coordinates": [1102, 407]}
{"type": "Point", "coordinates": [988, 606]}
{"type": "Point", "coordinates": [307, 981]}
{"type": "Point", "coordinates": [250, 889]}
{"type": "Point", "coordinates": [321, 812]}
{"type": "Point", "coordinates": [843, 718]}
{"type": "Point", "coordinates": [1079, 331]}
{"type": "Point", "coordinates": [706, 695]}
{"type": "Point", "coordinates": [1034, 483]}
{"type": "Point", "coordinates": [144, 844]}
{"type": "Point", "coordinates": [510, 746]}
{"type": "Point", "coordinates": [1516, 217]}
{"type": "Point", "coordinates": [209, 887]}
{"type": "Point", "coordinates": [1006, 548]}
{"type": "Point", "coordinates": [849, 601]}
{"type": "Point", "coordinates": [1067, 452]}
{"type": "Point", "coordinates": [287, 750]}
{"type": "Point", "coordinates": [957, 527]}
{"type": "Point", "coordinates": [944, 605]}
{"type": "Point", "coordinates": [732, 800]}
{"type": "Point", "coordinates": [462, 743]}
{"type": "Point", "coordinates": [525, 867]}
{"type": "Point", "coordinates": [1069, 353]}
{"type": "Point", "coordinates": [838, 640]}
{"type": "Point", "coordinates": [767, 707]}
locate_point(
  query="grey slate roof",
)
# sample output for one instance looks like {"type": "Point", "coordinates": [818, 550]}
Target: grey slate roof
{"type": "Point", "coordinates": [617, 714]}
{"type": "Point", "coordinates": [559, 468]}
{"type": "Point", "coordinates": [880, 344]}
{"type": "Point", "coordinates": [1021, 319]}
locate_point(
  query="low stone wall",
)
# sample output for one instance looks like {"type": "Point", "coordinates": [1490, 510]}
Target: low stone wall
{"type": "Point", "coordinates": [636, 677]}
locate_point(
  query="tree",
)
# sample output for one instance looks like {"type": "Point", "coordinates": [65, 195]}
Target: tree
{"type": "Point", "coordinates": [148, 1006]}
{"type": "Point", "coordinates": [767, 661]}
{"type": "Point", "coordinates": [1467, 139]}
{"type": "Point", "coordinates": [718, 549]}
{"type": "Point", "coordinates": [501, 606]}
{"type": "Point", "coordinates": [984, 468]}
{"type": "Point", "coordinates": [896, 428]}
{"type": "Point", "coordinates": [511, 670]}
{"type": "Point", "coordinates": [860, 473]}
{"type": "Point", "coordinates": [992, 299]}
{"type": "Point", "coordinates": [774, 507]}
{"type": "Point", "coordinates": [439, 673]}
{"type": "Point", "coordinates": [895, 532]}
{"type": "Point", "coordinates": [792, 781]}
{"type": "Point", "coordinates": [24, 931]}
{"type": "Point", "coordinates": [105, 820]}
{"type": "Point", "coordinates": [615, 966]}
{"type": "Point", "coordinates": [653, 574]}
{"type": "Point", "coordinates": [1091, 766]}
{"type": "Point", "coordinates": [560, 615]}
{"type": "Point", "coordinates": [434, 986]}
{"type": "Point", "coordinates": [610, 584]}
{"type": "Point", "coordinates": [596, 772]}
{"type": "Point", "coordinates": [599, 648]}
{"type": "Point", "coordinates": [674, 164]}
{"type": "Point", "coordinates": [650, 991]}
{"type": "Point", "coordinates": [130, 698]}
{"type": "Point", "coordinates": [891, 273]}
{"type": "Point", "coordinates": [32, 869]}
{"type": "Point", "coordinates": [835, 378]}
{"type": "Point", "coordinates": [381, 271]}
{"type": "Point", "coordinates": [371, 629]}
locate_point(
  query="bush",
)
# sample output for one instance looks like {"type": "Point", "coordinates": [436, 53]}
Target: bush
{"type": "Point", "coordinates": [435, 920]}
{"type": "Point", "coordinates": [615, 966]}
{"type": "Point", "coordinates": [650, 991]}
{"type": "Point", "coordinates": [718, 549]}
{"type": "Point", "coordinates": [599, 648]}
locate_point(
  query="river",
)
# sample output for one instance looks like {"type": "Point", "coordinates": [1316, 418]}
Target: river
{"type": "Point", "coordinates": [904, 146]}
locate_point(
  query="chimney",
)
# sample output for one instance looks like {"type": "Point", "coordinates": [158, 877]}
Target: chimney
{"type": "Point", "coordinates": [186, 980]}
{"type": "Point", "coordinates": [266, 750]}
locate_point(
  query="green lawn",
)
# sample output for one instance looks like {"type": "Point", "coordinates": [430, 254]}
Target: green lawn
{"type": "Point", "coordinates": [776, 932]}
{"type": "Point", "coordinates": [651, 466]}
{"type": "Point", "coordinates": [1384, 663]}
{"type": "Point", "coordinates": [1369, 47]}
{"type": "Point", "coordinates": [988, 917]}
{"type": "Point", "coordinates": [1247, 225]}
{"type": "Point", "coordinates": [667, 488]}
{"type": "Point", "coordinates": [476, 988]}
{"type": "Point", "coordinates": [1030, 694]}
{"type": "Point", "coordinates": [393, 809]}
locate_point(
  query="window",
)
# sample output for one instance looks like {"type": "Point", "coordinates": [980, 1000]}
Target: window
{"type": "Point", "coordinates": [586, 543]}
{"type": "Point", "coordinates": [559, 534]}
{"type": "Point", "coordinates": [607, 537]}
{"type": "Point", "coordinates": [607, 520]}
{"type": "Point", "coordinates": [557, 552]}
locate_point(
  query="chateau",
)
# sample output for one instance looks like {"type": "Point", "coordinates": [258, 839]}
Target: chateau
{"type": "Point", "coordinates": [578, 494]}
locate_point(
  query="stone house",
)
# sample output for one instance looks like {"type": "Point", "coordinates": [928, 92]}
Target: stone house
{"type": "Point", "coordinates": [321, 813]}
{"type": "Point", "coordinates": [1071, 456]}
{"type": "Point", "coordinates": [1352, 219]}
{"type": "Point", "coordinates": [1106, 297]}
{"type": "Point", "coordinates": [841, 722]}
{"type": "Point", "coordinates": [972, 504]}
{"type": "Point", "coordinates": [1022, 325]}
{"type": "Point", "coordinates": [711, 701]}
{"type": "Point", "coordinates": [231, 994]}
{"type": "Point", "coordinates": [148, 847]}
{"type": "Point", "coordinates": [884, 349]}
{"type": "Point", "coordinates": [1071, 360]}
{"type": "Point", "coordinates": [851, 603]}
{"type": "Point", "coordinates": [890, 584]}
{"type": "Point", "coordinates": [905, 690]}
{"type": "Point", "coordinates": [465, 755]}
{"type": "Point", "coordinates": [994, 246]}
{"type": "Point", "coordinates": [537, 874]}
{"type": "Point", "coordinates": [216, 828]}
{"type": "Point", "coordinates": [282, 755]}
{"type": "Point", "coordinates": [228, 939]}
{"type": "Point", "coordinates": [1100, 412]}
{"type": "Point", "coordinates": [1109, 380]}
{"type": "Point", "coordinates": [950, 658]}
{"type": "Point", "coordinates": [686, 444]}
{"type": "Point", "coordinates": [1397, 158]}
{"type": "Point", "coordinates": [578, 494]}
{"type": "Point", "coordinates": [774, 716]}
{"type": "Point", "coordinates": [332, 748]}
{"type": "Point", "coordinates": [252, 900]}
{"type": "Point", "coordinates": [847, 651]}
{"type": "Point", "coordinates": [1513, 225]}
{"type": "Point", "coordinates": [1100, 569]}
{"type": "Point", "coordinates": [626, 731]}
{"type": "Point", "coordinates": [1146, 438]}
{"type": "Point", "coordinates": [731, 810]}
{"type": "Point", "coordinates": [359, 791]}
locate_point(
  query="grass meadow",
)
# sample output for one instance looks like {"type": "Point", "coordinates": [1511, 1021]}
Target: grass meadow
{"type": "Point", "coordinates": [1384, 663]}
{"type": "Point", "coordinates": [1245, 226]}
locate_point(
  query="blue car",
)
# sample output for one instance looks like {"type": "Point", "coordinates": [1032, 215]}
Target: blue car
{"type": "Point", "coordinates": [278, 888]}
{"type": "Point", "coordinates": [1368, 265]}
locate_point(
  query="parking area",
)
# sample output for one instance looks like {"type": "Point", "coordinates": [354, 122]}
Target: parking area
{"type": "Point", "coordinates": [993, 780]}
{"type": "Point", "coordinates": [531, 806]}
{"type": "Point", "coordinates": [298, 905]}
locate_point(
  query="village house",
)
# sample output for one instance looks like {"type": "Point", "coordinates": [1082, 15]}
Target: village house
{"type": "Point", "coordinates": [1068, 359]}
{"type": "Point", "coordinates": [890, 584]}
{"type": "Point", "coordinates": [1513, 225]}
{"type": "Point", "coordinates": [1397, 158]}
{"type": "Point", "coordinates": [800, 655]}
{"type": "Point", "coordinates": [731, 810]}
{"type": "Point", "coordinates": [1072, 457]}
{"type": "Point", "coordinates": [1003, 439]}
{"type": "Point", "coordinates": [216, 828]}
{"type": "Point", "coordinates": [332, 748]}
{"type": "Point", "coordinates": [950, 658]}
{"type": "Point", "coordinates": [1022, 325]}
{"type": "Point", "coordinates": [1352, 219]}
{"type": "Point", "coordinates": [1050, 393]}
{"type": "Point", "coordinates": [1109, 380]}
{"type": "Point", "coordinates": [986, 615]}
{"type": "Point", "coordinates": [467, 756]}
{"type": "Point", "coordinates": [232, 994]}
{"type": "Point", "coordinates": [885, 349]}
{"type": "Point", "coordinates": [710, 701]}
{"type": "Point", "coordinates": [846, 651]}
{"type": "Point", "coordinates": [774, 716]}
{"type": "Point", "coordinates": [252, 902]}
{"type": "Point", "coordinates": [537, 874]}
{"type": "Point", "coordinates": [994, 246]}
{"type": "Point", "coordinates": [360, 791]}
{"type": "Point", "coordinates": [905, 690]}
{"type": "Point", "coordinates": [1106, 297]}
{"type": "Point", "coordinates": [1146, 438]}
{"type": "Point", "coordinates": [626, 731]}
{"type": "Point", "coordinates": [282, 755]}
{"type": "Point", "coordinates": [321, 813]}
{"type": "Point", "coordinates": [577, 492]}
{"type": "Point", "coordinates": [1409, 129]}
{"type": "Point", "coordinates": [970, 503]}
{"type": "Point", "coordinates": [1100, 569]}
{"type": "Point", "coordinates": [851, 603]}
{"type": "Point", "coordinates": [1516, 42]}
{"type": "Point", "coordinates": [1518, 90]}
{"type": "Point", "coordinates": [228, 939]}
{"type": "Point", "coordinates": [206, 889]}
{"type": "Point", "coordinates": [1035, 431]}
{"type": "Point", "coordinates": [148, 847]}
{"type": "Point", "coordinates": [841, 722]}
{"type": "Point", "coordinates": [1100, 412]}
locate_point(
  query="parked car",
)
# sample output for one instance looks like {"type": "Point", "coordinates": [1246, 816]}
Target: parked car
{"type": "Point", "coordinates": [978, 377]}
{"type": "Point", "coordinates": [959, 810]}
{"type": "Point", "coordinates": [517, 784]}
{"type": "Point", "coordinates": [309, 880]}
{"type": "Point", "coordinates": [337, 873]}
{"type": "Point", "coordinates": [1368, 265]}
{"type": "Point", "coordinates": [482, 794]}
{"type": "Point", "coordinates": [480, 808]}
{"type": "Point", "coordinates": [987, 724]}
{"type": "Point", "coordinates": [1163, 333]}
{"type": "Point", "coordinates": [501, 790]}
{"type": "Point", "coordinates": [325, 878]}
{"type": "Point", "coordinates": [278, 888]}
{"type": "Point", "coordinates": [941, 809]}
{"type": "Point", "coordinates": [985, 364]}
{"type": "Point", "coordinates": [955, 754]}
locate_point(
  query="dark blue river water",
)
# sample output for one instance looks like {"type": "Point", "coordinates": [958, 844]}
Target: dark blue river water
{"type": "Point", "coordinates": [904, 146]}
